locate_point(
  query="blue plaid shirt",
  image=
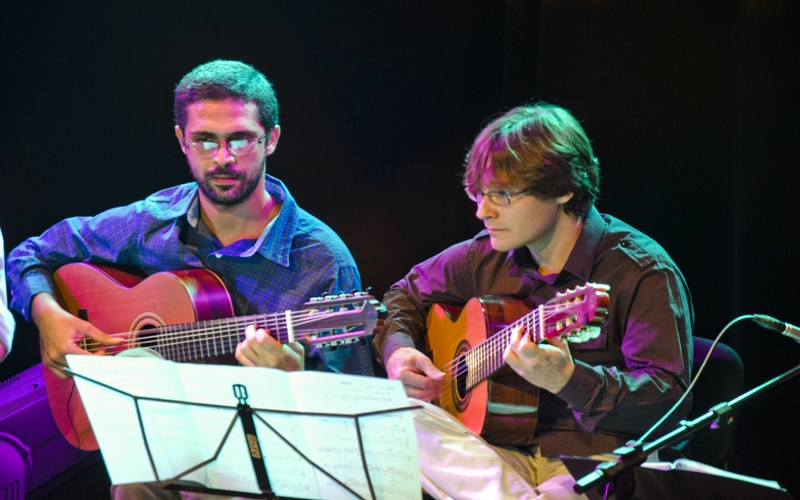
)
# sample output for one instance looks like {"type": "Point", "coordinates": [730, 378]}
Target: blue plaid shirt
{"type": "Point", "coordinates": [295, 258]}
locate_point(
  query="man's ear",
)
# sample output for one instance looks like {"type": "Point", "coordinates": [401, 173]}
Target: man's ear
{"type": "Point", "coordinates": [564, 198]}
{"type": "Point", "coordinates": [272, 140]}
{"type": "Point", "coordinates": [179, 135]}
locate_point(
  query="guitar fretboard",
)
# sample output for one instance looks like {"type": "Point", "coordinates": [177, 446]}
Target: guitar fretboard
{"type": "Point", "coordinates": [191, 341]}
{"type": "Point", "coordinates": [546, 321]}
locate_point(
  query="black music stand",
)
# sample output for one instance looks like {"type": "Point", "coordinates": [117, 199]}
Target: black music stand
{"type": "Point", "coordinates": [656, 484]}
{"type": "Point", "coordinates": [248, 417]}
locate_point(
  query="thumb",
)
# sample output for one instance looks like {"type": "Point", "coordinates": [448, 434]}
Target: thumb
{"type": "Point", "coordinates": [426, 366]}
{"type": "Point", "coordinates": [100, 336]}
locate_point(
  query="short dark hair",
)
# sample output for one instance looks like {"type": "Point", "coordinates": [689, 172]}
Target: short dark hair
{"type": "Point", "coordinates": [544, 147]}
{"type": "Point", "coordinates": [219, 80]}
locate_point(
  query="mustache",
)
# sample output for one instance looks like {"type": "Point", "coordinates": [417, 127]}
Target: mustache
{"type": "Point", "coordinates": [228, 172]}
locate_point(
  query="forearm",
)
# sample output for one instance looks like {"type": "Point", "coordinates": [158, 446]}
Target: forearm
{"type": "Point", "coordinates": [109, 237]}
{"type": "Point", "coordinates": [621, 402]}
{"type": "Point", "coordinates": [404, 325]}
{"type": "Point", "coordinates": [652, 368]}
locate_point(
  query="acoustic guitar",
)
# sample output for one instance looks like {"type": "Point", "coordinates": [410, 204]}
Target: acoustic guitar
{"type": "Point", "coordinates": [185, 316]}
{"type": "Point", "coordinates": [468, 345]}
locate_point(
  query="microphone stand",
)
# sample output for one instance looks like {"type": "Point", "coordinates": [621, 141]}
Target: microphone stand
{"type": "Point", "coordinates": [617, 472]}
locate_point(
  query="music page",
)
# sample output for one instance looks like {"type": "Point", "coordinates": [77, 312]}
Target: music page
{"type": "Point", "coordinates": [181, 436]}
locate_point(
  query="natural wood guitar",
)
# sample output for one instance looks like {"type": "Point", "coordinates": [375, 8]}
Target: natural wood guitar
{"type": "Point", "coordinates": [481, 390]}
{"type": "Point", "coordinates": [184, 316]}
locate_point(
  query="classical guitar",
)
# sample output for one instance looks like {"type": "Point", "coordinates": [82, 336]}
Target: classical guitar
{"type": "Point", "coordinates": [185, 316]}
{"type": "Point", "coordinates": [481, 390]}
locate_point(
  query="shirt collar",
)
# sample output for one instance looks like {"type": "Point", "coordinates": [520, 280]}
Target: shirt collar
{"type": "Point", "coordinates": [278, 247]}
{"type": "Point", "coordinates": [580, 260]}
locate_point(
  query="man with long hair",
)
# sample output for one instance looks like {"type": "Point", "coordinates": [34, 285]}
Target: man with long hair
{"type": "Point", "coordinates": [534, 178]}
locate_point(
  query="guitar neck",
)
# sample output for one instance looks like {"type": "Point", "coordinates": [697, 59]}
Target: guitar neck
{"type": "Point", "coordinates": [549, 320]}
{"type": "Point", "coordinates": [486, 358]}
{"type": "Point", "coordinates": [217, 337]}
{"type": "Point", "coordinates": [189, 341]}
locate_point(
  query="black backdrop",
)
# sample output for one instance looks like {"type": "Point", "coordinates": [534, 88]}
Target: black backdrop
{"type": "Point", "coordinates": [692, 108]}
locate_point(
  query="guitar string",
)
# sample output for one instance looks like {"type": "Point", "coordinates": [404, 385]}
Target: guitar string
{"type": "Point", "coordinates": [491, 348]}
{"type": "Point", "coordinates": [487, 357]}
{"type": "Point", "coordinates": [177, 335]}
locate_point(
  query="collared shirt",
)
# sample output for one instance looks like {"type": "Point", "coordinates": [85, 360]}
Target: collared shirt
{"type": "Point", "coordinates": [6, 318]}
{"type": "Point", "coordinates": [626, 378]}
{"type": "Point", "coordinates": [296, 257]}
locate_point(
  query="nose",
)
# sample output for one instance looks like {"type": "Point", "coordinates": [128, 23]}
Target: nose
{"type": "Point", "coordinates": [223, 156]}
{"type": "Point", "coordinates": [485, 210]}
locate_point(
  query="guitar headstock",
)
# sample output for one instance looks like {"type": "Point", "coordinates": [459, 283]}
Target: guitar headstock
{"type": "Point", "coordinates": [339, 319]}
{"type": "Point", "coordinates": [576, 315]}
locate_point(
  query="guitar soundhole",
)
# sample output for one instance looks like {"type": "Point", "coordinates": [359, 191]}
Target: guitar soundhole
{"type": "Point", "coordinates": [461, 394]}
{"type": "Point", "coordinates": [145, 338]}
{"type": "Point", "coordinates": [143, 322]}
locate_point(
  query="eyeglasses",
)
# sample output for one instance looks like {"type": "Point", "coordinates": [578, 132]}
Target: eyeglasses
{"type": "Point", "coordinates": [499, 198]}
{"type": "Point", "coordinates": [237, 147]}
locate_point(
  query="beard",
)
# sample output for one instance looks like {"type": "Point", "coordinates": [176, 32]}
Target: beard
{"type": "Point", "coordinates": [229, 196]}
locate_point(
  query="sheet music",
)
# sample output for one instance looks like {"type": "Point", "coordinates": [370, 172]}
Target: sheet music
{"type": "Point", "coordinates": [115, 423]}
{"type": "Point", "coordinates": [389, 441]}
{"type": "Point", "coordinates": [182, 436]}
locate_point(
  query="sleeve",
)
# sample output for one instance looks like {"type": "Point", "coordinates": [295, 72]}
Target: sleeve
{"type": "Point", "coordinates": [111, 237]}
{"type": "Point", "coordinates": [6, 318]}
{"type": "Point", "coordinates": [654, 322]}
{"type": "Point", "coordinates": [341, 276]}
{"type": "Point", "coordinates": [445, 278]}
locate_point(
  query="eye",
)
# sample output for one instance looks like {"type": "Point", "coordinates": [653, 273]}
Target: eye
{"type": "Point", "coordinates": [238, 143]}
{"type": "Point", "coordinates": [209, 145]}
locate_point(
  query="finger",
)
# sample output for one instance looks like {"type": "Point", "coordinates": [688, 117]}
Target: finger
{"type": "Point", "coordinates": [415, 380]}
{"type": "Point", "coordinates": [516, 336]}
{"type": "Point", "coordinates": [422, 395]}
{"type": "Point", "coordinates": [519, 341]}
{"type": "Point", "coordinates": [420, 387]}
{"type": "Point", "coordinates": [264, 341]}
{"type": "Point", "coordinates": [297, 347]}
{"type": "Point", "coordinates": [426, 366]}
{"type": "Point", "coordinates": [241, 358]}
{"type": "Point", "coordinates": [248, 353]}
{"type": "Point", "coordinates": [557, 342]}
{"type": "Point", "coordinates": [91, 331]}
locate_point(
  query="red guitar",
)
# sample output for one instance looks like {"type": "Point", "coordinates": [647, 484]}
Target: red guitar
{"type": "Point", "coordinates": [184, 315]}
{"type": "Point", "coordinates": [481, 391]}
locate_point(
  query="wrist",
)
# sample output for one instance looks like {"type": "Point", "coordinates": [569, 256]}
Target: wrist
{"type": "Point", "coordinates": [42, 303]}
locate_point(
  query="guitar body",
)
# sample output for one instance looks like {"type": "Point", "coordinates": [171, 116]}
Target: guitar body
{"type": "Point", "coordinates": [501, 409]}
{"type": "Point", "coordinates": [117, 301]}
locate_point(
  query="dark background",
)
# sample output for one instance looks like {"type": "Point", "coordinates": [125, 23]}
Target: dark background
{"type": "Point", "coordinates": [692, 108]}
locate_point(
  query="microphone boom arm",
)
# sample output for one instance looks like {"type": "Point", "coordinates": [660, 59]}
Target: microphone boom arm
{"type": "Point", "coordinates": [635, 453]}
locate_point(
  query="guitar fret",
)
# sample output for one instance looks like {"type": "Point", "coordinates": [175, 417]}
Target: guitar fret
{"type": "Point", "coordinates": [203, 345]}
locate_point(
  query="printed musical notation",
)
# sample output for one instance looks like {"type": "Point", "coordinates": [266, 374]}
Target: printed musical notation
{"type": "Point", "coordinates": [182, 436]}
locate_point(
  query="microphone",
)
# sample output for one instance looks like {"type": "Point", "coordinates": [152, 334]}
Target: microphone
{"type": "Point", "coordinates": [771, 323]}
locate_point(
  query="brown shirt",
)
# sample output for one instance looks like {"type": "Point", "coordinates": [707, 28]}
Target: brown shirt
{"type": "Point", "coordinates": [626, 378]}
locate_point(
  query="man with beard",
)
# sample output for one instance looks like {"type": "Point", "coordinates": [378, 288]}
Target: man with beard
{"type": "Point", "coordinates": [235, 220]}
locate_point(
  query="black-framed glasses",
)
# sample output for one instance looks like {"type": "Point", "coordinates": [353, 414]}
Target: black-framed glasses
{"type": "Point", "coordinates": [499, 198]}
{"type": "Point", "coordinates": [242, 146]}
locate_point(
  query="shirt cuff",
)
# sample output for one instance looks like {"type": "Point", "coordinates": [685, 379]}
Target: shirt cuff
{"type": "Point", "coordinates": [33, 283]}
{"type": "Point", "coordinates": [394, 342]}
{"type": "Point", "coordinates": [581, 386]}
